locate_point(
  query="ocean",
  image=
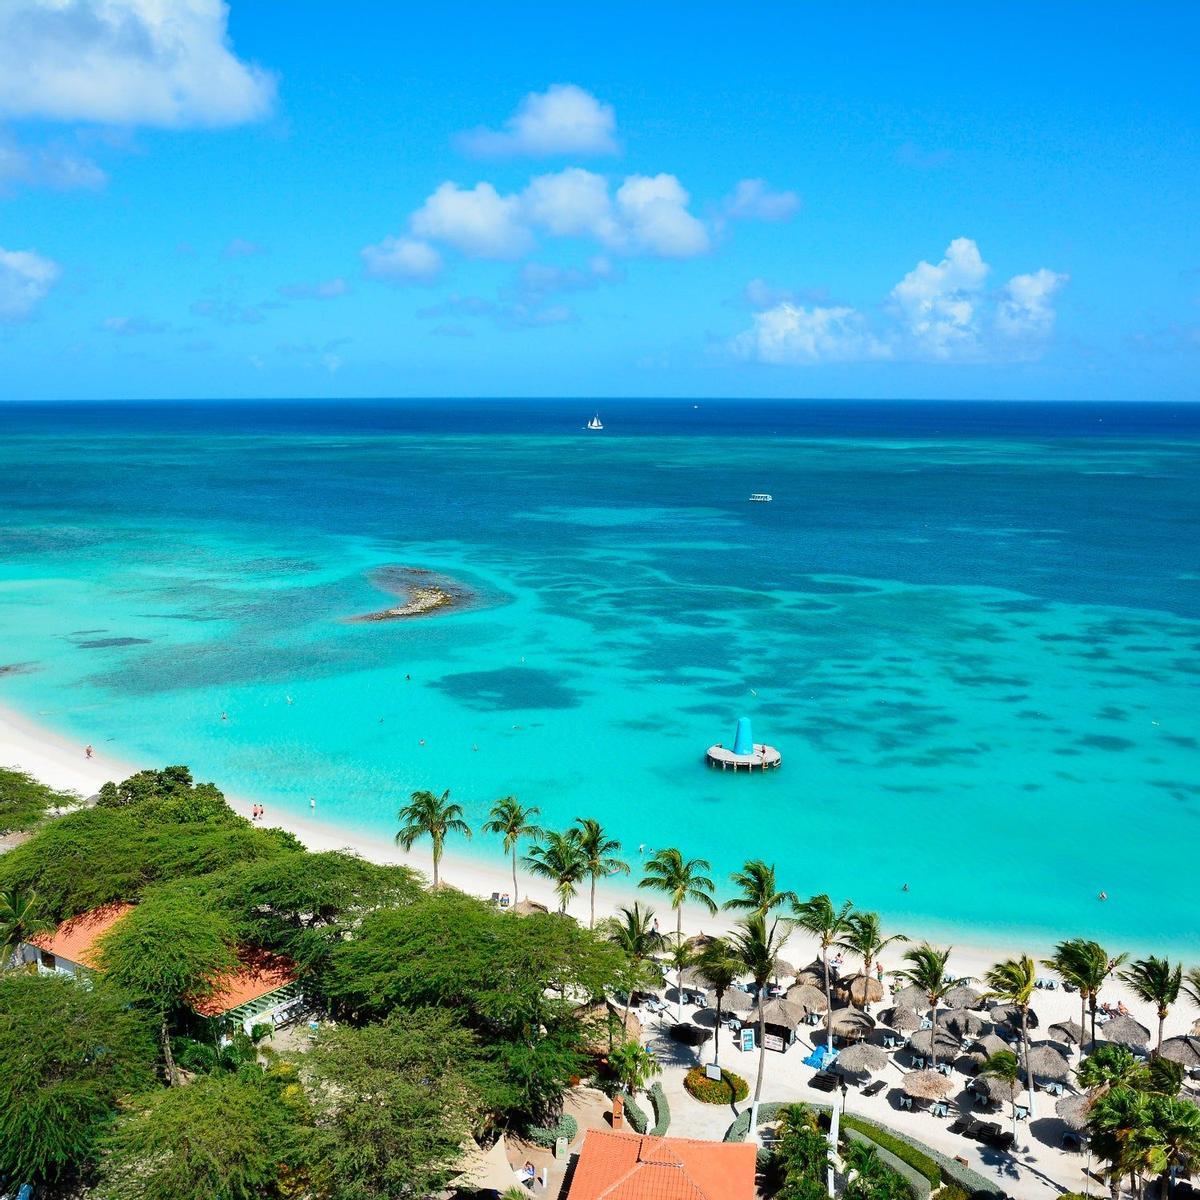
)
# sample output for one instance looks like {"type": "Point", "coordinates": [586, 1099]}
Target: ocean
{"type": "Point", "coordinates": [973, 630]}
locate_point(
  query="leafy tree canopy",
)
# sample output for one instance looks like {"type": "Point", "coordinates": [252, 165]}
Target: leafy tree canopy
{"type": "Point", "coordinates": [67, 1054]}
{"type": "Point", "coordinates": [24, 801]}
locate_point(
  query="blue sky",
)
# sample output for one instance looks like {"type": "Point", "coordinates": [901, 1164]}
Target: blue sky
{"type": "Point", "coordinates": [871, 200]}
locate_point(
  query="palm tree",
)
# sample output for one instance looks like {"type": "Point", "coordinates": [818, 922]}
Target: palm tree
{"type": "Point", "coordinates": [759, 891]}
{"type": "Point", "coordinates": [599, 853]}
{"type": "Point", "coordinates": [1120, 1131]}
{"type": "Point", "coordinates": [19, 921]}
{"type": "Point", "coordinates": [864, 938]}
{"type": "Point", "coordinates": [1084, 965]}
{"type": "Point", "coordinates": [681, 956]}
{"type": "Point", "coordinates": [513, 821]}
{"type": "Point", "coordinates": [1012, 982]}
{"type": "Point", "coordinates": [1157, 982]}
{"type": "Point", "coordinates": [1003, 1065]}
{"type": "Point", "coordinates": [633, 1064]}
{"type": "Point", "coordinates": [427, 815]}
{"type": "Point", "coordinates": [683, 880]}
{"type": "Point", "coordinates": [559, 858]}
{"type": "Point", "coordinates": [758, 944]}
{"type": "Point", "coordinates": [927, 969]}
{"type": "Point", "coordinates": [827, 924]}
{"type": "Point", "coordinates": [720, 965]}
{"type": "Point", "coordinates": [1110, 1066]}
{"type": "Point", "coordinates": [1177, 1124]}
{"type": "Point", "coordinates": [634, 934]}
{"type": "Point", "coordinates": [1191, 985]}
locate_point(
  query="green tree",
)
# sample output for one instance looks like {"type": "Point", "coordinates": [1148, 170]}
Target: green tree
{"type": "Point", "coordinates": [394, 1103]}
{"type": "Point", "coordinates": [1085, 965]}
{"type": "Point", "coordinates": [864, 937]}
{"type": "Point", "coordinates": [720, 966]}
{"type": "Point", "coordinates": [434, 817]}
{"type": "Point", "coordinates": [1191, 985]}
{"type": "Point", "coordinates": [1157, 982]}
{"type": "Point", "coordinates": [1003, 1065]}
{"type": "Point", "coordinates": [1110, 1066]}
{"type": "Point", "coordinates": [633, 933]}
{"type": "Point", "coordinates": [758, 942]}
{"type": "Point", "coordinates": [869, 1177]}
{"type": "Point", "coordinates": [801, 1156]}
{"type": "Point", "coordinates": [513, 821]}
{"type": "Point", "coordinates": [818, 917]}
{"type": "Point", "coordinates": [223, 1137]}
{"type": "Point", "coordinates": [927, 970]}
{"type": "Point", "coordinates": [599, 856]}
{"type": "Point", "coordinates": [1176, 1125]}
{"type": "Point", "coordinates": [1121, 1132]}
{"type": "Point", "coordinates": [633, 1064]}
{"type": "Point", "coordinates": [559, 858]}
{"type": "Point", "coordinates": [170, 950]}
{"type": "Point", "coordinates": [24, 801]}
{"type": "Point", "coordinates": [20, 919]}
{"type": "Point", "coordinates": [1012, 982]}
{"type": "Point", "coordinates": [68, 1054]}
{"type": "Point", "coordinates": [758, 890]}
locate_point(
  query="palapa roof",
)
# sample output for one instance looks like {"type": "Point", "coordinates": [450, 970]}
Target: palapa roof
{"type": "Point", "coordinates": [526, 907]}
{"type": "Point", "coordinates": [1125, 1031]}
{"type": "Point", "coordinates": [1185, 1050]}
{"type": "Point", "coordinates": [962, 1021]}
{"type": "Point", "coordinates": [77, 939]}
{"type": "Point", "coordinates": [1073, 1110]}
{"type": "Point", "coordinates": [1070, 1032]}
{"type": "Point", "coordinates": [912, 996]}
{"type": "Point", "coordinates": [1010, 1014]}
{"type": "Point", "coordinates": [1046, 1061]}
{"type": "Point", "coordinates": [862, 989]}
{"type": "Point", "coordinates": [1000, 1091]}
{"type": "Point", "coordinates": [735, 1000]}
{"type": "Point", "coordinates": [777, 1012]}
{"type": "Point", "coordinates": [808, 997]}
{"type": "Point", "coordinates": [962, 996]}
{"type": "Point", "coordinates": [851, 1020]}
{"type": "Point", "coordinates": [992, 1043]}
{"type": "Point", "coordinates": [922, 1042]}
{"type": "Point", "coordinates": [901, 1019]}
{"type": "Point", "coordinates": [926, 1085]}
{"type": "Point", "coordinates": [862, 1057]}
{"type": "Point", "coordinates": [627, 1166]}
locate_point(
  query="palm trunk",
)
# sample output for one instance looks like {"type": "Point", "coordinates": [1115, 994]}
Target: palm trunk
{"type": "Point", "coordinates": [592, 919]}
{"type": "Point", "coordinates": [1025, 1045]}
{"type": "Point", "coordinates": [1162, 1017]}
{"type": "Point", "coordinates": [828, 1000]}
{"type": "Point", "coordinates": [1082, 1019]}
{"type": "Point", "coordinates": [1092, 1012]}
{"type": "Point", "coordinates": [762, 1062]}
{"type": "Point", "coordinates": [679, 972]}
{"type": "Point", "coordinates": [717, 1033]}
{"type": "Point", "coordinates": [168, 1057]}
{"type": "Point", "coordinates": [933, 1032]}
{"type": "Point", "coordinates": [514, 856]}
{"type": "Point", "coordinates": [436, 858]}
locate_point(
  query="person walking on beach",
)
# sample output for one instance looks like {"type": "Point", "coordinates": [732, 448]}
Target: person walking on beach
{"type": "Point", "coordinates": [87, 752]}
{"type": "Point", "coordinates": [312, 803]}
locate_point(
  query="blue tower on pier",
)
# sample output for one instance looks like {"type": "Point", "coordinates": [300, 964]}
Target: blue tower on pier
{"type": "Point", "coordinates": [743, 739]}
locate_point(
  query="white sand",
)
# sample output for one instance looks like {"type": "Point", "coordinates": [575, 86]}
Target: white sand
{"type": "Point", "coordinates": [1040, 1171]}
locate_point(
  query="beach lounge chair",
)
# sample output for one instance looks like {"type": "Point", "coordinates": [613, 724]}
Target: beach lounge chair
{"type": "Point", "coordinates": [940, 1108]}
{"type": "Point", "coordinates": [906, 1102]}
{"type": "Point", "coordinates": [824, 1081]}
{"type": "Point", "coordinates": [1021, 1111]}
{"type": "Point", "coordinates": [873, 1089]}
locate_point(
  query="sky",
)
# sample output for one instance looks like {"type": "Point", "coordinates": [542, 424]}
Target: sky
{"type": "Point", "coordinates": [200, 199]}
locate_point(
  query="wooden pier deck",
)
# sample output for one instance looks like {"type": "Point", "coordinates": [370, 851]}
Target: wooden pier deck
{"type": "Point", "coordinates": [763, 758]}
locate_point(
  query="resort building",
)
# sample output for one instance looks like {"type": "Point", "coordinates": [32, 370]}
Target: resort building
{"type": "Point", "coordinates": [629, 1166]}
{"type": "Point", "coordinates": [262, 991]}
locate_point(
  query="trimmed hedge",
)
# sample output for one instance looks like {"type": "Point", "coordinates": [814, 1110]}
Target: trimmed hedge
{"type": "Point", "coordinates": [662, 1110]}
{"type": "Point", "coordinates": [953, 1192]}
{"type": "Point", "coordinates": [635, 1114]}
{"type": "Point", "coordinates": [918, 1185]}
{"type": "Point", "coordinates": [906, 1153]}
{"type": "Point", "coordinates": [546, 1135]}
{"type": "Point", "coordinates": [729, 1089]}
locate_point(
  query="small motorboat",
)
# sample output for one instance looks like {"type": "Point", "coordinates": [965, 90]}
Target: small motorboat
{"type": "Point", "coordinates": [761, 497]}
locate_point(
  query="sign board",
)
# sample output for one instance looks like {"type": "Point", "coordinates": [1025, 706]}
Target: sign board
{"type": "Point", "coordinates": [712, 1071]}
{"type": "Point", "coordinates": [772, 1041]}
{"type": "Point", "coordinates": [748, 1039]}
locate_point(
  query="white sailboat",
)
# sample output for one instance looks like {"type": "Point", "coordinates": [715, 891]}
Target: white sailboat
{"type": "Point", "coordinates": [595, 423]}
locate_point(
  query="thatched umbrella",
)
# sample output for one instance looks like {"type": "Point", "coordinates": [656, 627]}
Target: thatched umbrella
{"type": "Point", "coordinates": [969, 1064]}
{"type": "Point", "coordinates": [808, 997]}
{"type": "Point", "coordinates": [861, 990]}
{"type": "Point", "coordinates": [999, 1091]}
{"type": "Point", "coordinates": [926, 1085]}
{"type": "Point", "coordinates": [1125, 1031]}
{"type": "Point", "coordinates": [991, 1044]}
{"type": "Point", "coordinates": [701, 941]}
{"type": "Point", "coordinates": [1010, 1014]}
{"type": "Point", "coordinates": [1073, 1111]}
{"type": "Point", "coordinates": [962, 1022]}
{"type": "Point", "coordinates": [526, 907]}
{"type": "Point", "coordinates": [962, 997]}
{"type": "Point", "coordinates": [735, 1000]}
{"type": "Point", "coordinates": [694, 980]}
{"type": "Point", "coordinates": [777, 1012]}
{"type": "Point", "coordinates": [901, 1019]}
{"type": "Point", "coordinates": [1185, 1050]}
{"type": "Point", "coordinates": [1070, 1033]}
{"type": "Point", "coordinates": [783, 970]}
{"type": "Point", "coordinates": [862, 1059]}
{"type": "Point", "coordinates": [923, 1042]}
{"type": "Point", "coordinates": [1046, 1062]}
{"type": "Point", "coordinates": [851, 1022]}
{"type": "Point", "coordinates": [912, 997]}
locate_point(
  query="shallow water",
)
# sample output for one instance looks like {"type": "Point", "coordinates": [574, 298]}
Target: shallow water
{"type": "Point", "coordinates": [974, 632]}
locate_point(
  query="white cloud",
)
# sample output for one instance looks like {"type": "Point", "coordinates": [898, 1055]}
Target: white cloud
{"type": "Point", "coordinates": [564, 119]}
{"type": "Point", "coordinates": [326, 289]}
{"type": "Point", "coordinates": [127, 62]}
{"type": "Point", "coordinates": [652, 210]}
{"type": "Point", "coordinates": [1024, 309]}
{"type": "Point", "coordinates": [791, 333]}
{"type": "Point", "coordinates": [753, 200]}
{"type": "Point", "coordinates": [571, 203]}
{"type": "Point", "coordinates": [477, 221]}
{"type": "Point", "coordinates": [402, 259]}
{"type": "Point", "coordinates": [54, 166]}
{"type": "Point", "coordinates": [26, 277]}
{"type": "Point", "coordinates": [938, 305]}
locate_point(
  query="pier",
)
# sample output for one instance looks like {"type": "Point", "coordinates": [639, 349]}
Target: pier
{"type": "Point", "coordinates": [746, 754]}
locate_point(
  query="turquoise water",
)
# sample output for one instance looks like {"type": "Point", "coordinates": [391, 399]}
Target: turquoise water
{"type": "Point", "coordinates": [973, 632]}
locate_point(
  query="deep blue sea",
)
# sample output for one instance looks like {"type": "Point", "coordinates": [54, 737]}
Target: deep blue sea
{"type": "Point", "coordinates": [972, 629]}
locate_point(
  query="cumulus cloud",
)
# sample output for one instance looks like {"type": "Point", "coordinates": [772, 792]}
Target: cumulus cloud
{"type": "Point", "coordinates": [26, 278]}
{"type": "Point", "coordinates": [326, 289]}
{"type": "Point", "coordinates": [791, 333]}
{"type": "Point", "coordinates": [753, 200]}
{"type": "Point", "coordinates": [402, 260]}
{"type": "Point", "coordinates": [938, 312]}
{"type": "Point", "coordinates": [571, 203]}
{"type": "Point", "coordinates": [477, 221]}
{"type": "Point", "coordinates": [1025, 309]}
{"type": "Point", "coordinates": [564, 119]}
{"type": "Point", "coordinates": [653, 213]}
{"type": "Point", "coordinates": [127, 62]}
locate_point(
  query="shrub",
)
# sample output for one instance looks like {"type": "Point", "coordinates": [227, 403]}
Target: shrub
{"type": "Point", "coordinates": [953, 1192]}
{"type": "Point", "coordinates": [662, 1110]}
{"type": "Point", "coordinates": [546, 1135]}
{"type": "Point", "coordinates": [729, 1089]}
{"type": "Point", "coordinates": [905, 1152]}
{"type": "Point", "coordinates": [635, 1115]}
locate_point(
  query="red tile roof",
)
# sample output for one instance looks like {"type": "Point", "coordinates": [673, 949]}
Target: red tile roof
{"type": "Point", "coordinates": [628, 1166]}
{"type": "Point", "coordinates": [260, 973]}
{"type": "Point", "coordinates": [75, 940]}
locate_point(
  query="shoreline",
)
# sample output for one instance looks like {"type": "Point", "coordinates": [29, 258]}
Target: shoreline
{"type": "Point", "coordinates": [59, 762]}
